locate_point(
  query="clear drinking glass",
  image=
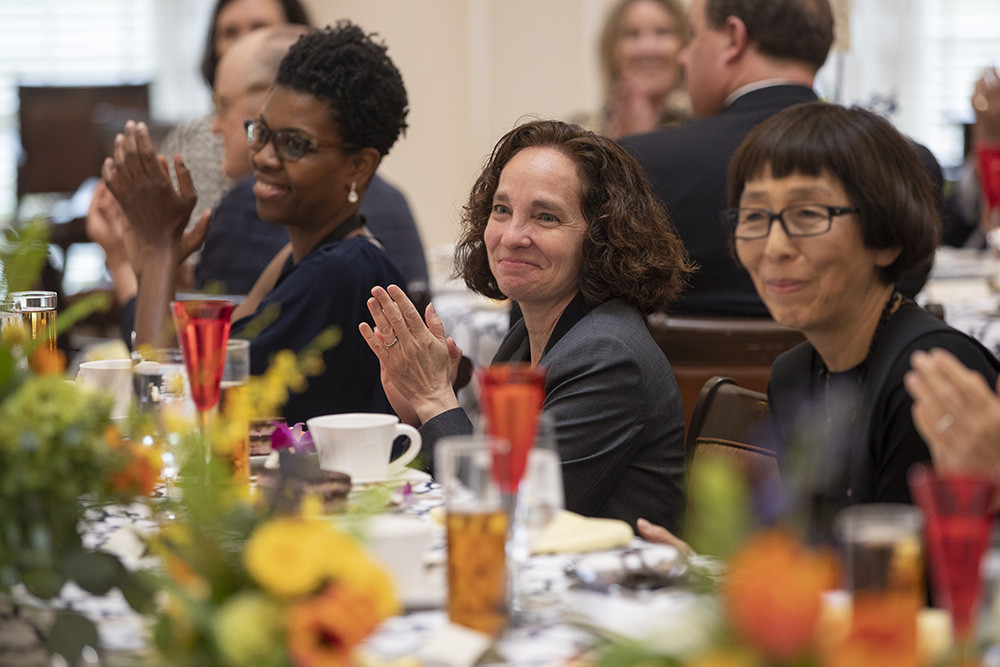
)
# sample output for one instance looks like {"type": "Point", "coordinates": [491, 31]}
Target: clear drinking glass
{"type": "Point", "coordinates": [472, 472]}
{"type": "Point", "coordinates": [233, 388]}
{"type": "Point", "coordinates": [165, 406]}
{"type": "Point", "coordinates": [884, 568]}
{"type": "Point", "coordinates": [545, 494]}
{"type": "Point", "coordinates": [38, 312]}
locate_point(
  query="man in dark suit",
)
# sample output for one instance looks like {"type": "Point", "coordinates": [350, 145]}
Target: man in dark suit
{"type": "Point", "coordinates": [746, 61]}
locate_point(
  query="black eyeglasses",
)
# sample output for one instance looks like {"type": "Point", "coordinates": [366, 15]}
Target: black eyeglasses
{"type": "Point", "coordinates": [750, 224]}
{"type": "Point", "coordinates": [288, 144]}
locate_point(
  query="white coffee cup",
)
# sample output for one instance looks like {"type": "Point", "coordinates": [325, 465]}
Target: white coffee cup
{"type": "Point", "coordinates": [360, 444]}
{"type": "Point", "coordinates": [113, 376]}
{"type": "Point", "coordinates": [400, 543]}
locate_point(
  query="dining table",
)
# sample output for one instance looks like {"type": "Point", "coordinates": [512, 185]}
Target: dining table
{"type": "Point", "coordinates": [566, 619]}
{"type": "Point", "coordinates": [965, 284]}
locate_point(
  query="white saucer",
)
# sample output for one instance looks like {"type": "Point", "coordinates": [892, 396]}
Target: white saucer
{"type": "Point", "coordinates": [411, 475]}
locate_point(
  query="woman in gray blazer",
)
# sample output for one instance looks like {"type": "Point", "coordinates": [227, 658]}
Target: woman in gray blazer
{"type": "Point", "coordinates": [563, 222]}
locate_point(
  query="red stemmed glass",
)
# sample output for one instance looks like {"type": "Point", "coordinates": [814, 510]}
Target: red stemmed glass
{"type": "Point", "coordinates": [958, 522]}
{"type": "Point", "coordinates": [203, 330]}
{"type": "Point", "coordinates": [511, 398]}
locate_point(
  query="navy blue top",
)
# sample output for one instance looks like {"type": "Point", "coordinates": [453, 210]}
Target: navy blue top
{"type": "Point", "coordinates": [239, 244]}
{"type": "Point", "coordinates": [329, 287]}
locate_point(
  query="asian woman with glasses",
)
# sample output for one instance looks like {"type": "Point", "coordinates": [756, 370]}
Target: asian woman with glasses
{"type": "Point", "coordinates": [854, 210]}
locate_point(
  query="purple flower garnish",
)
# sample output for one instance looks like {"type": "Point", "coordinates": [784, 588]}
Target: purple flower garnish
{"type": "Point", "coordinates": [292, 438]}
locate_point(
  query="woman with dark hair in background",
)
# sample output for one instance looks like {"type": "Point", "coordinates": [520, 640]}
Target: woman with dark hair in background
{"type": "Point", "coordinates": [641, 69]}
{"type": "Point", "coordinates": [563, 222]}
{"type": "Point", "coordinates": [194, 141]}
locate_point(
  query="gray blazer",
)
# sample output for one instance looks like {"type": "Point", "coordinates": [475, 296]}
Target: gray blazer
{"type": "Point", "coordinates": [618, 416]}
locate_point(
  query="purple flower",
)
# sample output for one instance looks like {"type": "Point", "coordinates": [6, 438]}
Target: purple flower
{"type": "Point", "coordinates": [292, 438]}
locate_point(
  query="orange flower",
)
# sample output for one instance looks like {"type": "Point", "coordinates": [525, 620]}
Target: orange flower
{"type": "Point", "coordinates": [47, 361]}
{"type": "Point", "coordinates": [141, 467]}
{"type": "Point", "coordinates": [323, 631]}
{"type": "Point", "coordinates": [773, 593]}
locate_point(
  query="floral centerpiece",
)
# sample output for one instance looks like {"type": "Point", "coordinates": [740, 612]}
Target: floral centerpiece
{"type": "Point", "coordinates": [765, 603]}
{"type": "Point", "coordinates": [58, 452]}
{"type": "Point", "coordinates": [251, 582]}
{"type": "Point", "coordinates": [247, 590]}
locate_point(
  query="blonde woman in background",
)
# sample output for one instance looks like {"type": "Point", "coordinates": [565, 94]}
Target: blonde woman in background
{"type": "Point", "coordinates": [643, 79]}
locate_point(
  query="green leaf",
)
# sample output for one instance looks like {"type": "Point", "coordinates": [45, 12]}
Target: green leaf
{"type": "Point", "coordinates": [139, 590]}
{"type": "Point", "coordinates": [93, 571]}
{"type": "Point", "coordinates": [44, 584]}
{"type": "Point", "coordinates": [70, 634]}
{"type": "Point", "coordinates": [23, 253]}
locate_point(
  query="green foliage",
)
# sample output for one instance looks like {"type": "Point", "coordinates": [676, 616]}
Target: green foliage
{"type": "Point", "coordinates": [719, 513]}
{"type": "Point", "coordinates": [54, 452]}
{"type": "Point", "coordinates": [628, 654]}
{"type": "Point", "coordinates": [23, 253]}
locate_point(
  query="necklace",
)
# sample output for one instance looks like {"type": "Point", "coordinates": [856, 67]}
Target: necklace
{"type": "Point", "coordinates": [858, 373]}
{"type": "Point", "coordinates": [862, 369]}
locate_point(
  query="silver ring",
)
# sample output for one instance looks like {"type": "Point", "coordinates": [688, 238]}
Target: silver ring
{"type": "Point", "coordinates": [394, 341]}
{"type": "Point", "coordinates": [944, 423]}
{"type": "Point", "coordinates": [980, 103]}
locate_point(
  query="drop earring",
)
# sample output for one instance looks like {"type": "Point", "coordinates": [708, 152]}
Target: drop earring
{"type": "Point", "coordinates": [352, 196]}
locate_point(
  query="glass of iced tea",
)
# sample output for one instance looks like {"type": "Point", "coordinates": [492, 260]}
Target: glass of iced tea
{"type": "Point", "coordinates": [233, 399]}
{"type": "Point", "coordinates": [471, 471]}
{"type": "Point", "coordinates": [38, 312]}
{"type": "Point", "coordinates": [884, 568]}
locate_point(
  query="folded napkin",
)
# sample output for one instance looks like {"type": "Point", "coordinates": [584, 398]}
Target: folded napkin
{"type": "Point", "coordinates": [570, 532]}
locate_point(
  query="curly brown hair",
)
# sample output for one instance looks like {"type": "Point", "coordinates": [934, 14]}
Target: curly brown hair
{"type": "Point", "coordinates": [630, 250]}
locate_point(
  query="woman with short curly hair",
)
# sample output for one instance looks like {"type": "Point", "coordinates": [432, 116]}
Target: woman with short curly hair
{"type": "Point", "coordinates": [564, 223]}
{"type": "Point", "coordinates": [337, 106]}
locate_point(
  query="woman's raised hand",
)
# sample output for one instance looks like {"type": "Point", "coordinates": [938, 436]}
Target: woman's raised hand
{"type": "Point", "coordinates": [140, 181]}
{"type": "Point", "coordinates": [418, 361]}
{"type": "Point", "coordinates": [956, 412]}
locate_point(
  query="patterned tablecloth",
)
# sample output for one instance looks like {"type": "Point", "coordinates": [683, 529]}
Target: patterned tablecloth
{"type": "Point", "coordinates": [560, 626]}
{"type": "Point", "coordinates": [966, 284]}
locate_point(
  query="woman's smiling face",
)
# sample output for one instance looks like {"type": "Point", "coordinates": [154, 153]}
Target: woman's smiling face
{"type": "Point", "coordinates": [314, 188]}
{"type": "Point", "coordinates": [534, 236]}
{"type": "Point", "coordinates": [814, 283]}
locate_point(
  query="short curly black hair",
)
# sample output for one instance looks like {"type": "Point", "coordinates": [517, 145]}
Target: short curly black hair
{"type": "Point", "coordinates": [630, 249]}
{"type": "Point", "coordinates": [348, 69]}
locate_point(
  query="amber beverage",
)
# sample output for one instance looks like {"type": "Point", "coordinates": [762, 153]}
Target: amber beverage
{"type": "Point", "coordinates": [884, 566]}
{"type": "Point", "coordinates": [235, 407]}
{"type": "Point", "coordinates": [233, 395]}
{"type": "Point", "coordinates": [38, 312]}
{"type": "Point", "coordinates": [476, 523]}
{"type": "Point", "coordinates": [477, 573]}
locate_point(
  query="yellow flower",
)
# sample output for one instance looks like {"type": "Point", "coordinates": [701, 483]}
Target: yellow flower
{"type": "Point", "coordinates": [323, 631]}
{"type": "Point", "coordinates": [16, 333]}
{"type": "Point", "coordinates": [178, 626]}
{"type": "Point", "coordinates": [288, 556]}
{"type": "Point", "coordinates": [173, 544]}
{"type": "Point", "coordinates": [249, 629]}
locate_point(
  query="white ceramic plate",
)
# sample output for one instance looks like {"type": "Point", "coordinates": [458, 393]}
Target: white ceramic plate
{"type": "Point", "coordinates": [411, 475]}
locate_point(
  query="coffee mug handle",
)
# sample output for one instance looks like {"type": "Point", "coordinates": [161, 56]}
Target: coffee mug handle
{"type": "Point", "coordinates": [396, 466]}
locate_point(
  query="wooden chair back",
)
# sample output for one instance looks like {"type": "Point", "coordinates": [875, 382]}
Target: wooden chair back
{"type": "Point", "coordinates": [731, 421]}
{"type": "Point", "coordinates": [699, 348]}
